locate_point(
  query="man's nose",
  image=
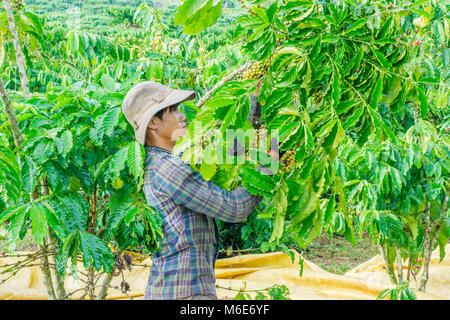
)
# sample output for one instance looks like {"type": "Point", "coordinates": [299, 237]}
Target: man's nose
{"type": "Point", "coordinates": [182, 117]}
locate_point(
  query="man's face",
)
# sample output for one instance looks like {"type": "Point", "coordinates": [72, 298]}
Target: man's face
{"type": "Point", "coordinates": [173, 125]}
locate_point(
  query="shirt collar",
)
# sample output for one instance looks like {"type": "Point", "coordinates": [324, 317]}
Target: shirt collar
{"type": "Point", "coordinates": [157, 149]}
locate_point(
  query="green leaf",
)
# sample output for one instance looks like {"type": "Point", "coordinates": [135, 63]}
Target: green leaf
{"type": "Point", "coordinates": [349, 233]}
{"type": "Point", "coordinates": [38, 223]}
{"type": "Point", "coordinates": [280, 204]}
{"type": "Point", "coordinates": [383, 294]}
{"type": "Point", "coordinates": [74, 42]}
{"type": "Point", "coordinates": [329, 209]}
{"type": "Point", "coordinates": [17, 221]}
{"type": "Point", "coordinates": [29, 172]}
{"type": "Point", "coordinates": [44, 150]}
{"type": "Point", "coordinates": [377, 93]}
{"type": "Point", "coordinates": [395, 87]}
{"type": "Point", "coordinates": [110, 120]}
{"type": "Point", "coordinates": [135, 159]}
{"type": "Point", "coordinates": [382, 225]}
{"type": "Point", "coordinates": [410, 294]}
{"type": "Point", "coordinates": [442, 240]}
{"type": "Point", "coordinates": [197, 15]}
{"type": "Point", "coordinates": [256, 179]}
{"type": "Point", "coordinates": [108, 82]}
{"type": "Point", "coordinates": [307, 78]}
{"type": "Point", "coordinates": [304, 15]}
{"type": "Point", "coordinates": [65, 143]}
{"type": "Point", "coordinates": [54, 222]}
{"type": "Point", "coordinates": [68, 248]}
{"type": "Point", "coordinates": [12, 212]}
{"type": "Point", "coordinates": [381, 59]}
{"type": "Point", "coordinates": [208, 167]}
{"type": "Point", "coordinates": [72, 208]}
{"type": "Point", "coordinates": [118, 161]}
{"type": "Point", "coordinates": [353, 118]}
{"type": "Point", "coordinates": [355, 25]}
{"type": "Point", "coordinates": [102, 166]}
{"type": "Point", "coordinates": [396, 178]}
{"type": "Point", "coordinates": [57, 176]}
{"type": "Point", "coordinates": [10, 174]}
{"type": "Point", "coordinates": [423, 103]}
{"type": "Point", "coordinates": [96, 252]}
{"type": "Point", "coordinates": [336, 93]}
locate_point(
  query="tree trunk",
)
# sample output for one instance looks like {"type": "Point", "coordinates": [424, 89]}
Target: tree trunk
{"type": "Point", "coordinates": [225, 79]}
{"type": "Point", "coordinates": [18, 50]}
{"type": "Point", "coordinates": [45, 269]}
{"type": "Point", "coordinates": [11, 115]}
{"type": "Point", "coordinates": [389, 265]}
{"type": "Point", "coordinates": [105, 286]}
{"type": "Point", "coordinates": [91, 283]}
{"type": "Point", "coordinates": [399, 266]}
{"type": "Point", "coordinates": [409, 267]}
{"type": "Point", "coordinates": [430, 241]}
{"type": "Point", "coordinates": [60, 289]}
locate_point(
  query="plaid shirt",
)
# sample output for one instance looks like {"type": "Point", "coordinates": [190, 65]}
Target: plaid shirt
{"type": "Point", "coordinates": [188, 204]}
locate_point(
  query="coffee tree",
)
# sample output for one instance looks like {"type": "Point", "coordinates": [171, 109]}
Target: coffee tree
{"type": "Point", "coordinates": [347, 73]}
{"type": "Point", "coordinates": [75, 183]}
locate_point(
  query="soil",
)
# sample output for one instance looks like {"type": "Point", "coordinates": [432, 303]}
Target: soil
{"type": "Point", "coordinates": [337, 255]}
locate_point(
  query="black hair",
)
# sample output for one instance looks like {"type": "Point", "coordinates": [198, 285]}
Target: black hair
{"type": "Point", "coordinates": [171, 108]}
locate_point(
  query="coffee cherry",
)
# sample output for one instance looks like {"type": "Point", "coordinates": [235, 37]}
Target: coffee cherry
{"type": "Point", "coordinates": [288, 161]}
{"type": "Point", "coordinates": [257, 70]}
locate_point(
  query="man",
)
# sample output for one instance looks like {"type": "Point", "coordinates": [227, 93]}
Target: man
{"type": "Point", "coordinates": [184, 267]}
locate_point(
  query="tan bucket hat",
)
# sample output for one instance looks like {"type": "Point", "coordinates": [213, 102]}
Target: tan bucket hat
{"type": "Point", "coordinates": [145, 99]}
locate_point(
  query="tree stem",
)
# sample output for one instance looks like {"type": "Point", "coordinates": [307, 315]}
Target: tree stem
{"type": "Point", "coordinates": [225, 79]}
{"type": "Point", "coordinates": [430, 240]}
{"type": "Point", "coordinates": [11, 115]}
{"type": "Point", "coordinates": [103, 292]}
{"type": "Point", "coordinates": [18, 50]}
{"type": "Point", "coordinates": [389, 265]}
{"type": "Point", "coordinates": [399, 266]}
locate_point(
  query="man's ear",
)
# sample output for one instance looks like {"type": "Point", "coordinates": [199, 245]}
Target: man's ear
{"type": "Point", "coordinates": [154, 123]}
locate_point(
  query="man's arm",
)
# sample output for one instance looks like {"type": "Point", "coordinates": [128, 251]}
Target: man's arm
{"type": "Point", "coordinates": [188, 188]}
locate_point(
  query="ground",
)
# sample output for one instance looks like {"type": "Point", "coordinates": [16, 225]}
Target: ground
{"type": "Point", "coordinates": [337, 255]}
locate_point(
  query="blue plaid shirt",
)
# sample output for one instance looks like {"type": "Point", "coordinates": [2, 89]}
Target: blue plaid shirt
{"type": "Point", "coordinates": [188, 205]}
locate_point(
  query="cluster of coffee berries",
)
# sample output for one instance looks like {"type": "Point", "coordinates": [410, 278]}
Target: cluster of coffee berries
{"type": "Point", "coordinates": [157, 40]}
{"type": "Point", "coordinates": [174, 43]}
{"type": "Point", "coordinates": [254, 72]}
{"type": "Point", "coordinates": [257, 70]}
{"type": "Point", "coordinates": [206, 138]}
{"type": "Point", "coordinates": [268, 61]}
{"type": "Point", "coordinates": [318, 96]}
{"type": "Point", "coordinates": [288, 161]}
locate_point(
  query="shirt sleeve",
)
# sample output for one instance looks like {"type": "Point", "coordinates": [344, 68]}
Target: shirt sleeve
{"type": "Point", "coordinates": [188, 188]}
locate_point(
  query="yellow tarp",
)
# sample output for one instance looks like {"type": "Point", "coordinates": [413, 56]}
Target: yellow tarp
{"type": "Point", "coordinates": [253, 271]}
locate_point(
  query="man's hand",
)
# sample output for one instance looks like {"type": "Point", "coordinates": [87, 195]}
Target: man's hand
{"type": "Point", "coordinates": [274, 154]}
